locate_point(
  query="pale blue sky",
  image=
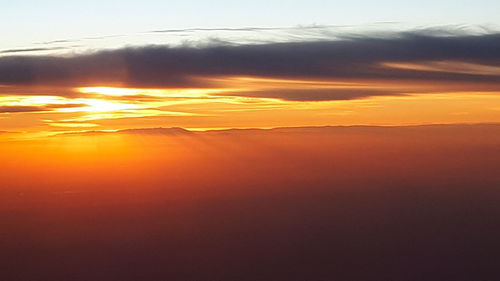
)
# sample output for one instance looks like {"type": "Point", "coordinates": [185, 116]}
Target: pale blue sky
{"type": "Point", "coordinates": [23, 22]}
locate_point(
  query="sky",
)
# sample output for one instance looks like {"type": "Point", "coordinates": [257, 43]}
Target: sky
{"type": "Point", "coordinates": [24, 22]}
{"type": "Point", "coordinates": [111, 65]}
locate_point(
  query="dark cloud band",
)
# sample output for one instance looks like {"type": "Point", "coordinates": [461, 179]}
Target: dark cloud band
{"type": "Point", "coordinates": [357, 57]}
{"type": "Point", "coordinates": [48, 107]}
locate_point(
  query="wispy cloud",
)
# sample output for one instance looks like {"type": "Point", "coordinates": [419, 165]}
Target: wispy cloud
{"type": "Point", "coordinates": [29, 50]}
{"type": "Point", "coordinates": [248, 28]}
{"type": "Point", "coordinates": [48, 107]}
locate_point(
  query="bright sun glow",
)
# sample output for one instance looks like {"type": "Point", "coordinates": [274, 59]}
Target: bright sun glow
{"type": "Point", "coordinates": [181, 93]}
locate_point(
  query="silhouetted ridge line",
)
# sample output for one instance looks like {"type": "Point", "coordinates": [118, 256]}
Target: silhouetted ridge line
{"type": "Point", "coordinates": [304, 129]}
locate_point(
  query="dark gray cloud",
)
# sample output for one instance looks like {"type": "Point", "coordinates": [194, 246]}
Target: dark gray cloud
{"type": "Point", "coordinates": [355, 57]}
{"type": "Point", "coordinates": [315, 94]}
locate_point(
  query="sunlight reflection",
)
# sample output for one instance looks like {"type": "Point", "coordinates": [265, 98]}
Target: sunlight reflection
{"type": "Point", "coordinates": [186, 93]}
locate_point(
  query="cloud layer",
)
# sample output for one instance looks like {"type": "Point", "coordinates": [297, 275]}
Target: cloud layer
{"type": "Point", "coordinates": [399, 57]}
{"type": "Point", "coordinates": [334, 203]}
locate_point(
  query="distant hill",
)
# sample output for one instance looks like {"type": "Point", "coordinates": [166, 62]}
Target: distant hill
{"type": "Point", "coordinates": [156, 131]}
{"type": "Point", "coordinates": [139, 131]}
{"type": "Point", "coordinates": [173, 131]}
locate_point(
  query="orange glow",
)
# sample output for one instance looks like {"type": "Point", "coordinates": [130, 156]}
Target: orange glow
{"type": "Point", "coordinates": [242, 102]}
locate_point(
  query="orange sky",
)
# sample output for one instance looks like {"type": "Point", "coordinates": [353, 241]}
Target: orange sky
{"type": "Point", "coordinates": [233, 105]}
{"type": "Point", "coordinates": [104, 108]}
